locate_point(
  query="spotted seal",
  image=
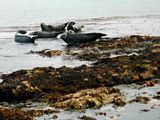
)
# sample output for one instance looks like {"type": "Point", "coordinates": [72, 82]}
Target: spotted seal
{"type": "Point", "coordinates": [61, 27]}
{"type": "Point", "coordinates": [23, 37]}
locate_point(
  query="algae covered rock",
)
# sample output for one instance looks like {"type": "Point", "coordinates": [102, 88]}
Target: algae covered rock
{"type": "Point", "coordinates": [89, 98]}
{"type": "Point", "coordinates": [48, 53]}
{"type": "Point", "coordinates": [49, 84]}
{"type": "Point", "coordinates": [20, 114]}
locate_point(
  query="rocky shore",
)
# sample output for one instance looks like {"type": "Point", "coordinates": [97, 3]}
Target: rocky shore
{"type": "Point", "coordinates": [116, 61]}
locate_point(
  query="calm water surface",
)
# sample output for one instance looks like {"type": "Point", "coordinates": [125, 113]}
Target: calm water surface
{"type": "Point", "coordinates": [24, 12]}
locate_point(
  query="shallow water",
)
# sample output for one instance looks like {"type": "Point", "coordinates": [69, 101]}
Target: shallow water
{"type": "Point", "coordinates": [13, 56]}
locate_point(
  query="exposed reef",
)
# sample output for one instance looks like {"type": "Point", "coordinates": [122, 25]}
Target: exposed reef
{"type": "Point", "coordinates": [90, 98]}
{"type": "Point", "coordinates": [110, 47]}
{"type": "Point", "coordinates": [20, 114]}
{"type": "Point", "coordinates": [48, 53]}
{"type": "Point", "coordinates": [136, 60]}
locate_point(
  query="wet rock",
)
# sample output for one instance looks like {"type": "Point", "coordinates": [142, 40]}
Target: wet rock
{"type": "Point", "coordinates": [54, 117]}
{"type": "Point", "coordinates": [101, 113]}
{"type": "Point", "coordinates": [119, 102]}
{"type": "Point", "coordinates": [89, 53]}
{"type": "Point", "coordinates": [158, 93]}
{"type": "Point", "coordinates": [20, 90]}
{"type": "Point", "coordinates": [49, 84]}
{"type": "Point", "coordinates": [140, 99]}
{"type": "Point", "coordinates": [156, 97]}
{"type": "Point", "coordinates": [106, 47]}
{"type": "Point", "coordinates": [19, 114]}
{"type": "Point", "coordinates": [39, 112]}
{"type": "Point", "coordinates": [145, 110]}
{"type": "Point", "coordinates": [118, 46]}
{"type": "Point", "coordinates": [84, 117]}
{"type": "Point", "coordinates": [48, 53]}
{"type": "Point", "coordinates": [90, 98]}
{"type": "Point", "coordinates": [13, 114]}
{"type": "Point", "coordinates": [150, 83]}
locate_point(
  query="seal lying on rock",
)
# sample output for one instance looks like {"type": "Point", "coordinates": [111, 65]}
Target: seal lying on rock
{"type": "Point", "coordinates": [23, 37]}
{"type": "Point", "coordinates": [44, 34]}
{"type": "Point", "coordinates": [75, 38]}
{"type": "Point", "coordinates": [50, 28]}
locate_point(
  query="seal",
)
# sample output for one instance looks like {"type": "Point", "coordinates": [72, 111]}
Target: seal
{"type": "Point", "coordinates": [22, 37]}
{"type": "Point", "coordinates": [61, 27]}
{"type": "Point", "coordinates": [72, 38]}
{"type": "Point", "coordinates": [44, 34]}
{"type": "Point", "coordinates": [75, 29]}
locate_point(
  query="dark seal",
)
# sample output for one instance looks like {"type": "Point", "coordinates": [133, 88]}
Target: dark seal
{"type": "Point", "coordinates": [44, 34]}
{"type": "Point", "coordinates": [22, 37]}
{"type": "Point", "coordinates": [61, 27]}
{"type": "Point", "coordinates": [75, 38]}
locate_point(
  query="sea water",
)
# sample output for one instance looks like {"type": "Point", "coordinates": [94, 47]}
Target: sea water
{"type": "Point", "coordinates": [113, 17]}
{"type": "Point", "coordinates": [24, 12]}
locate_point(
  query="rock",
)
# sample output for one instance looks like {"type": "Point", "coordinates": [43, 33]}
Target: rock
{"type": "Point", "coordinates": [48, 53]}
{"type": "Point", "coordinates": [89, 98]}
{"type": "Point", "coordinates": [101, 113]}
{"type": "Point", "coordinates": [119, 102]}
{"type": "Point", "coordinates": [54, 117]}
{"type": "Point", "coordinates": [140, 99]}
{"type": "Point", "coordinates": [150, 83]}
{"type": "Point", "coordinates": [145, 110]}
{"type": "Point", "coordinates": [156, 97]}
{"type": "Point", "coordinates": [18, 114]}
{"type": "Point", "coordinates": [84, 117]}
{"type": "Point", "coordinates": [158, 93]}
{"type": "Point", "coordinates": [119, 46]}
{"type": "Point", "coordinates": [49, 84]}
{"type": "Point", "coordinates": [13, 114]}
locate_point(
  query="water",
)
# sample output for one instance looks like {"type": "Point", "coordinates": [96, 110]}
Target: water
{"type": "Point", "coordinates": [13, 56]}
{"type": "Point", "coordinates": [26, 12]}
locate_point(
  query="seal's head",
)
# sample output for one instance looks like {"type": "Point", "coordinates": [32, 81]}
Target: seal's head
{"type": "Point", "coordinates": [70, 23]}
{"type": "Point", "coordinates": [65, 34]}
{"type": "Point", "coordinates": [21, 31]}
{"type": "Point", "coordinates": [43, 24]}
{"type": "Point", "coordinates": [69, 26]}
